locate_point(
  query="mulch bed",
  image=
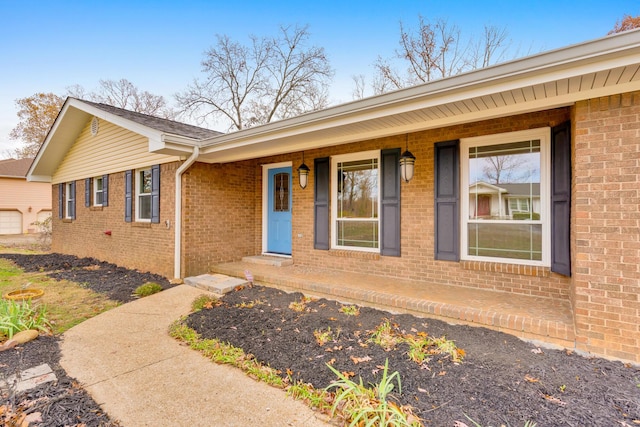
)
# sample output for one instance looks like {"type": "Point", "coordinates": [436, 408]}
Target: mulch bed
{"type": "Point", "coordinates": [118, 283]}
{"type": "Point", "coordinates": [64, 403]}
{"type": "Point", "coordinates": [59, 403]}
{"type": "Point", "coordinates": [501, 380]}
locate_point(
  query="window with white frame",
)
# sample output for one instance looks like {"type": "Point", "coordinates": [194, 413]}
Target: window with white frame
{"type": "Point", "coordinates": [519, 205]}
{"type": "Point", "coordinates": [98, 193]}
{"type": "Point", "coordinates": [70, 200]}
{"type": "Point", "coordinates": [517, 230]}
{"type": "Point", "coordinates": [143, 195]}
{"type": "Point", "coordinates": [355, 206]}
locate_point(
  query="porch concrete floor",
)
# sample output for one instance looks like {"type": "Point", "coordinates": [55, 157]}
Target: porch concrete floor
{"type": "Point", "coordinates": [533, 318]}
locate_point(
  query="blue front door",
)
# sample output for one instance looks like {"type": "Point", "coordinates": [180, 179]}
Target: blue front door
{"type": "Point", "coordinates": [279, 211]}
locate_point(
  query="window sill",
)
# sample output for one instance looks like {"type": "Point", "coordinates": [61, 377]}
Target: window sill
{"type": "Point", "coordinates": [141, 224]}
{"type": "Point", "coordinates": [67, 220]}
{"type": "Point", "coordinates": [95, 208]}
{"type": "Point", "coordinates": [495, 267]}
{"type": "Point", "coordinates": [344, 253]}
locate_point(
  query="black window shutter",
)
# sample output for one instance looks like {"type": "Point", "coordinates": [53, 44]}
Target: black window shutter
{"type": "Point", "coordinates": [105, 190]}
{"type": "Point", "coordinates": [447, 198]}
{"type": "Point", "coordinates": [72, 208]}
{"type": "Point", "coordinates": [390, 206]}
{"type": "Point", "coordinates": [321, 204]}
{"type": "Point", "coordinates": [128, 197]}
{"type": "Point", "coordinates": [561, 199]}
{"type": "Point", "coordinates": [155, 194]}
{"type": "Point", "coordinates": [87, 192]}
{"type": "Point", "coordinates": [61, 200]}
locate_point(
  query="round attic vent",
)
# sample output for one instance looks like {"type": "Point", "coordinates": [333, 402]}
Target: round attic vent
{"type": "Point", "coordinates": [94, 126]}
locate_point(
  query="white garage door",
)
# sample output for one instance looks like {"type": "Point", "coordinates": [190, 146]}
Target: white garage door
{"type": "Point", "coordinates": [10, 222]}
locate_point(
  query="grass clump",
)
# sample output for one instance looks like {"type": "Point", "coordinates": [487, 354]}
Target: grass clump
{"type": "Point", "coordinates": [147, 289]}
{"type": "Point", "coordinates": [300, 306]}
{"type": "Point", "coordinates": [350, 310]}
{"type": "Point", "coordinates": [312, 397]}
{"type": "Point", "coordinates": [224, 353]}
{"type": "Point", "coordinates": [249, 304]}
{"type": "Point", "coordinates": [324, 336]}
{"type": "Point", "coordinates": [360, 405]}
{"type": "Point", "coordinates": [204, 302]}
{"type": "Point", "coordinates": [386, 336]}
{"type": "Point", "coordinates": [21, 316]}
{"type": "Point", "coordinates": [421, 347]}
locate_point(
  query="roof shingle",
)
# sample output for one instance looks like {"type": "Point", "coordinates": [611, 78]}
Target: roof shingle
{"type": "Point", "coordinates": [15, 168]}
{"type": "Point", "coordinates": [157, 123]}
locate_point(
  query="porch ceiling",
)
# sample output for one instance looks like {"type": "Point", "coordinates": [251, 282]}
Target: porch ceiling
{"type": "Point", "coordinates": [554, 79]}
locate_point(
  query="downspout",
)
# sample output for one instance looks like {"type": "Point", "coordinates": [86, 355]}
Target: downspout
{"type": "Point", "coordinates": [178, 218]}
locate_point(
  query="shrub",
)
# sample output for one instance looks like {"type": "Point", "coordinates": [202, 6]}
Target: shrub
{"type": "Point", "coordinates": [147, 289]}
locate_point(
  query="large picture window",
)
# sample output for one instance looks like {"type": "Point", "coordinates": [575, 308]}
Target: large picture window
{"type": "Point", "coordinates": [143, 195]}
{"type": "Point", "coordinates": [505, 197]}
{"type": "Point", "coordinates": [355, 201]}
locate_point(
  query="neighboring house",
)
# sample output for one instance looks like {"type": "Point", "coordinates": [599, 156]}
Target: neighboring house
{"type": "Point", "coordinates": [21, 203]}
{"type": "Point", "coordinates": [156, 195]}
{"type": "Point", "coordinates": [504, 201]}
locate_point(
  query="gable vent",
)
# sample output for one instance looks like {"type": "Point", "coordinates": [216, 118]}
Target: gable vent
{"type": "Point", "coordinates": [94, 126]}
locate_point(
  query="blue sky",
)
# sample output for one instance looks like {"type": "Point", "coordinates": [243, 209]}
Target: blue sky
{"type": "Point", "coordinates": [47, 46]}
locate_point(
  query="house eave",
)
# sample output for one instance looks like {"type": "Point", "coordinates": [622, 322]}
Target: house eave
{"type": "Point", "coordinates": [559, 78]}
{"type": "Point", "coordinates": [73, 117]}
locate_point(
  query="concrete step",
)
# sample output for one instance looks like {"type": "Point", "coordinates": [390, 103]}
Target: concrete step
{"type": "Point", "coordinates": [217, 283]}
{"type": "Point", "coordinates": [268, 260]}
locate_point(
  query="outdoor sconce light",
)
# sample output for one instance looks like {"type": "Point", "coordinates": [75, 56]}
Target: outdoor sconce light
{"type": "Point", "coordinates": [407, 163]}
{"type": "Point", "coordinates": [303, 174]}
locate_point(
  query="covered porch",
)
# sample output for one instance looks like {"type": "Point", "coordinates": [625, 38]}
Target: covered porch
{"type": "Point", "coordinates": [528, 317]}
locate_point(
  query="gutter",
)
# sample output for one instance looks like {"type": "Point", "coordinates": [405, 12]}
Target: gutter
{"type": "Point", "coordinates": [178, 209]}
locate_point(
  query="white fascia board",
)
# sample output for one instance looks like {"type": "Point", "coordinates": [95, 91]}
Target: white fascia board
{"type": "Point", "coordinates": [173, 142]}
{"type": "Point", "coordinates": [249, 148]}
{"type": "Point", "coordinates": [38, 178]}
{"type": "Point", "coordinates": [41, 162]}
{"type": "Point", "coordinates": [601, 54]}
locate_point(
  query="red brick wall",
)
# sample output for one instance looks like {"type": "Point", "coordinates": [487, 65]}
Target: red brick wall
{"type": "Point", "coordinates": [417, 260]}
{"type": "Point", "coordinates": [221, 214]}
{"type": "Point", "coordinates": [607, 225]}
{"type": "Point", "coordinates": [142, 246]}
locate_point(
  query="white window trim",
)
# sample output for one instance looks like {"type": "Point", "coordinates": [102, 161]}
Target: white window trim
{"type": "Point", "coordinates": [373, 154]}
{"type": "Point", "coordinates": [94, 189]}
{"type": "Point", "coordinates": [136, 184]}
{"type": "Point", "coordinates": [68, 197]}
{"type": "Point", "coordinates": [542, 134]}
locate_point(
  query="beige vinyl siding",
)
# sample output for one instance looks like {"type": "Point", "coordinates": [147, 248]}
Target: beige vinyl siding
{"type": "Point", "coordinates": [113, 149]}
{"type": "Point", "coordinates": [28, 198]}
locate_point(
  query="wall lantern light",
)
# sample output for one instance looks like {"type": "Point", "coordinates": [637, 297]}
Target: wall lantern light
{"type": "Point", "coordinates": [407, 163]}
{"type": "Point", "coordinates": [303, 174]}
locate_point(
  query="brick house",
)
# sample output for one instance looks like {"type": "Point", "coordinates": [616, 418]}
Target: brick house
{"type": "Point", "coordinates": [564, 126]}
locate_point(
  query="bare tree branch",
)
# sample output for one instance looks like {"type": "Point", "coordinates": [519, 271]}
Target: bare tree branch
{"type": "Point", "coordinates": [436, 50]}
{"type": "Point", "coordinates": [272, 79]}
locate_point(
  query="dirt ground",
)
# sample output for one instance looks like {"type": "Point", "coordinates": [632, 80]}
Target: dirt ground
{"type": "Point", "coordinates": [500, 381]}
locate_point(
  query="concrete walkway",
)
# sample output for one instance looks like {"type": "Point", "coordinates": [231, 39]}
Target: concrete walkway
{"type": "Point", "coordinates": [142, 377]}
